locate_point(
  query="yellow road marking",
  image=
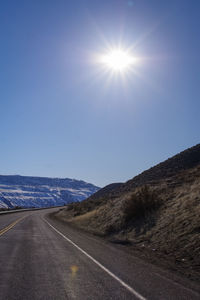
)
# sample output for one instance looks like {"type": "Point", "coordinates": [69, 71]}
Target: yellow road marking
{"type": "Point", "coordinates": [10, 226]}
{"type": "Point", "coordinates": [74, 270]}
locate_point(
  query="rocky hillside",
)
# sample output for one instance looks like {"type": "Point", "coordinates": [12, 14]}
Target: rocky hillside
{"type": "Point", "coordinates": [27, 191]}
{"type": "Point", "coordinates": [171, 167]}
{"type": "Point", "coordinates": [158, 212]}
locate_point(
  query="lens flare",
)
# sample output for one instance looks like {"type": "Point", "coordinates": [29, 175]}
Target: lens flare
{"type": "Point", "coordinates": [118, 60]}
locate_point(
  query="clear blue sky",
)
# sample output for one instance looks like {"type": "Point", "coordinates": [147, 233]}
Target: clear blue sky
{"type": "Point", "coordinates": [61, 116]}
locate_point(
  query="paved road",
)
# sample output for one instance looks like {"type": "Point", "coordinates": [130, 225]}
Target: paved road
{"type": "Point", "coordinates": [41, 258]}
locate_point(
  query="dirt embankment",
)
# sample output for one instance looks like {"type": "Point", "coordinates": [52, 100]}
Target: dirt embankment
{"type": "Point", "coordinates": [157, 220]}
{"type": "Point", "coordinates": [168, 234]}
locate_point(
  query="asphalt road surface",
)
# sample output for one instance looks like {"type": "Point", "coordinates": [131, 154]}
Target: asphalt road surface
{"type": "Point", "coordinates": [41, 258]}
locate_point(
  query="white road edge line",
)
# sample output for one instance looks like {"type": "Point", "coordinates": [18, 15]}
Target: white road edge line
{"type": "Point", "coordinates": [130, 289]}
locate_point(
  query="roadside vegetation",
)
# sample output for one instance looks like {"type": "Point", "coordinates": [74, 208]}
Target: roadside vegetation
{"type": "Point", "coordinates": [140, 203]}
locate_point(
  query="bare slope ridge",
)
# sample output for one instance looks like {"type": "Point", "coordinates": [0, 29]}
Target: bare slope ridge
{"type": "Point", "coordinates": [157, 212]}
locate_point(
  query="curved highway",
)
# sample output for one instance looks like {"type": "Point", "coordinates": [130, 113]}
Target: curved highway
{"type": "Point", "coordinates": [41, 258]}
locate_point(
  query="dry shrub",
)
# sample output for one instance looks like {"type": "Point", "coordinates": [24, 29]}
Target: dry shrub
{"type": "Point", "coordinates": [140, 203]}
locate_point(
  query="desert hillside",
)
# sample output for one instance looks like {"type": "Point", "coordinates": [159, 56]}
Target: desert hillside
{"type": "Point", "coordinates": [156, 212]}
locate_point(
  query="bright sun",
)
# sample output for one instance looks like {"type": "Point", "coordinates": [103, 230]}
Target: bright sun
{"type": "Point", "coordinates": [118, 60]}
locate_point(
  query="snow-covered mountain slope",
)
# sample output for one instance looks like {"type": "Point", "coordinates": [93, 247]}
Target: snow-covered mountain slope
{"type": "Point", "coordinates": [26, 191]}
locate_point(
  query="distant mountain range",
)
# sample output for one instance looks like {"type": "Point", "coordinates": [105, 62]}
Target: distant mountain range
{"type": "Point", "coordinates": [27, 191]}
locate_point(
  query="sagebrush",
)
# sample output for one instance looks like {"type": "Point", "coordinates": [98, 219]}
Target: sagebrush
{"type": "Point", "coordinates": [140, 203]}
